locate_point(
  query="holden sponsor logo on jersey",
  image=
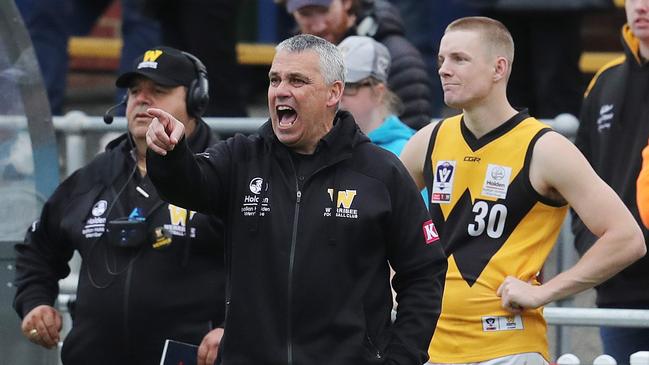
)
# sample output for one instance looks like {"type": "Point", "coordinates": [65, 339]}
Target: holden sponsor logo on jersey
{"type": "Point", "coordinates": [344, 204]}
{"type": "Point", "coordinates": [255, 202]}
{"type": "Point", "coordinates": [496, 181]}
{"type": "Point", "coordinates": [606, 114]}
{"type": "Point", "coordinates": [443, 182]}
{"type": "Point", "coordinates": [430, 232]}
{"type": "Point", "coordinates": [150, 59]}
{"type": "Point", "coordinates": [178, 221]}
{"type": "Point", "coordinates": [502, 323]}
{"type": "Point", "coordinates": [96, 225]}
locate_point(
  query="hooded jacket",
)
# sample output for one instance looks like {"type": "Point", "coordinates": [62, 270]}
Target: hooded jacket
{"type": "Point", "coordinates": [307, 254]}
{"type": "Point", "coordinates": [129, 300]}
{"type": "Point", "coordinates": [408, 76]}
{"type": "Point", "coordinates": [613, 131]}
{"type": "Point", "coordinates": [391, 135]}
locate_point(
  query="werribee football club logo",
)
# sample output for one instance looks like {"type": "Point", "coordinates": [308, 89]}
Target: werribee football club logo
{"type": "Point", "coordinates": [344, 201]}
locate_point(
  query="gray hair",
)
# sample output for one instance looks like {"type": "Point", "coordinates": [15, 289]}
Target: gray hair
{"type": "Point", "coordinates": [332, 66]}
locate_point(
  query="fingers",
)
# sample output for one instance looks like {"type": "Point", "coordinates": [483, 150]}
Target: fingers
{"type": "Point", "coordinates": [164, 131]}
{"type": "Point", "coordinates": [42, 326]}
{"type": "Point", "coordinates": [209, 347]}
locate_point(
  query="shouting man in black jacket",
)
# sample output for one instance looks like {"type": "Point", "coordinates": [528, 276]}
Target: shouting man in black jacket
{"type": "Point", "coordinates": [150, 270]}
{"type": "Point", "coordinates": [316, 215]}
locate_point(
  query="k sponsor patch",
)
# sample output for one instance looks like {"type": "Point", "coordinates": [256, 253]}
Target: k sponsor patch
{"type": "Point", "coordinates": [430, 232]}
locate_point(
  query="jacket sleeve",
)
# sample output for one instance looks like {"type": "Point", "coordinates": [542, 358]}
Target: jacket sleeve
{"type": "Point", "coordinates": [416, 255]}
{"type": "Point", "coordinates": [643, 188]}
{"type": "Point", "coordinates": [196, 182]}
{"type": "Point", "coordinates": [42, 259]}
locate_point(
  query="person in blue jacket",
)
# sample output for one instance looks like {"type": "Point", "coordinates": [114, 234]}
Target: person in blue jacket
{"type": "Point", "coordinates": [367, 96]}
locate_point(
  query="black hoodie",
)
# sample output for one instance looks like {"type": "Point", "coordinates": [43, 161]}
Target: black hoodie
{"type": "Point", "coordinates": [129, 300]}
{"type": "Point", "coordinates": [309, 283]}
{"type": "Point", "coordinates": [613, 130]}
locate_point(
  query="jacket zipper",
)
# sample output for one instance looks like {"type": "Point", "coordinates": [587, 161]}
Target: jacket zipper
{"type": "Point", "coordinates": [289, 319]}
{"type": "Point", "coordinates": [127, 290]}
{"type": "Point", "coordinates": [377, 353]}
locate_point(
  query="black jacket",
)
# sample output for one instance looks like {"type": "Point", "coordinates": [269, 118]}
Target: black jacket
{"type": "Point", "coordinates": [307, 286]}
{"type": "Point", "coordinates": [408, 77]}
{"type": "Point", "coordinates": [129, 300]}
{"type": "Point", "coordinates": [613, 131]}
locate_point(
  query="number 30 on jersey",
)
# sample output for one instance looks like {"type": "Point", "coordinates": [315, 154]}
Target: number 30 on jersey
{"type": "Point", "coordinates": [488, 218]}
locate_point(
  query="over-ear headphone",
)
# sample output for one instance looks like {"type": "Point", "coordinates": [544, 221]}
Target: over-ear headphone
{"type": "Point", "coordinates": [198, 95]}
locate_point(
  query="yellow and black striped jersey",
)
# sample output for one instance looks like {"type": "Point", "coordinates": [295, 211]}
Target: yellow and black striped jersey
{"type": "Point", "coordinates": [494, 224]}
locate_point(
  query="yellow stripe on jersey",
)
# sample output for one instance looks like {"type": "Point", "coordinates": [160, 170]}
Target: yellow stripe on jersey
{"type": "Point", "coordinates": [493, 224]}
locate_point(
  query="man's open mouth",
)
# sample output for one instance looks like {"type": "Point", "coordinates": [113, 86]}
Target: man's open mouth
{"type": "Point", "coordinates": [286, 115]}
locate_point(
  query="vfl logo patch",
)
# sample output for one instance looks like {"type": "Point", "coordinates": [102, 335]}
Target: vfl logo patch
{"type": "Point", "coordinates": [506, 323]}
{"type": "Point", "coordinates": [430, 233]}
{"type": "Point", "coordinates": [443, 182]}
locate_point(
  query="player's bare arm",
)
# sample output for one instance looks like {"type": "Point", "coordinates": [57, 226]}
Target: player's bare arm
{"type": "Point", "coordinates": [413, 155]}
{"type": "Point", "coordinates": [559, 171]}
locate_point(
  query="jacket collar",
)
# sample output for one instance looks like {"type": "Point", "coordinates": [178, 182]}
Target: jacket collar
{"type": "Point", "coordinates": [631, 44]}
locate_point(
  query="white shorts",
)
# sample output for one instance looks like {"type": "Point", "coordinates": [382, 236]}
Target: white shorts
{"type": "Point", "coordinates": [525, 358]}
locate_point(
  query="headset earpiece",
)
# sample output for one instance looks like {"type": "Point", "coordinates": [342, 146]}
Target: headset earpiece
{"type": "Point", "coordinates": [198, 93]}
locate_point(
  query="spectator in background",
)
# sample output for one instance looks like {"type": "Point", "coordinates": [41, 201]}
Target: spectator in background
{"type": "Point", "coordinates": [613, 131]}
{"type": "Point", "coordinates": [150, 270]}
{"type": "Point", "coordinates": [51, 23]}
{"type": "Point", "coordinates": [367, 96]}
{"type": "Point", "coordinates": [207, 29]}
{"type": "Point", "coordinates": [334, 20]}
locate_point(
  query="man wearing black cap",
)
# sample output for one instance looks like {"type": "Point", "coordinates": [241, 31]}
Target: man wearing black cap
{"type": "Point", "coordinates": [150, 270]}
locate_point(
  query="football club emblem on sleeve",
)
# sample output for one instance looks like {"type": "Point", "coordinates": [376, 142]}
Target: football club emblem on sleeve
{"type": "Point", "coordinates": [430, 233]}
{"type": "Point", "coordinates": [443, 182]}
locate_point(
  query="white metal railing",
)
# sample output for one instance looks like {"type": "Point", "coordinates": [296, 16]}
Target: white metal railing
{"type": "Point", "coordinates": [75, 126]}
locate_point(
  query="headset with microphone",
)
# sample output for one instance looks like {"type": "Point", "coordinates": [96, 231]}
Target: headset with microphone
{"type": "Point", "coordinates": [197, 93]}
{"type": "Point", "coordinates": [109, 115]}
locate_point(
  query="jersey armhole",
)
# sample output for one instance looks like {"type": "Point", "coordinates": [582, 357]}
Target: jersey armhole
{"type": "Point", "coordinates": [428, 162]}
{"type": "Point", "coordinates": [526, 171]}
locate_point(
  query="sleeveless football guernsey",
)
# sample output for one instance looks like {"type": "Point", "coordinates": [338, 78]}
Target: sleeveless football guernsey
{"type": "Point", "coordinates": [494, 224]}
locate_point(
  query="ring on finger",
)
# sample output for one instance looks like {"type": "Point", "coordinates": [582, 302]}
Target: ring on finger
{"type": "Point", "coordinates": [33, 333]}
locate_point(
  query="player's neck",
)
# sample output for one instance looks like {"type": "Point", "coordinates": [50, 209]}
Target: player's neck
{"type": "Point", "coordinates": [488, 116]}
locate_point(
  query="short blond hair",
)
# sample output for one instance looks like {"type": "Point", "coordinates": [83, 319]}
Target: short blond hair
{"type": "Point", "coordinates": [493, 32]}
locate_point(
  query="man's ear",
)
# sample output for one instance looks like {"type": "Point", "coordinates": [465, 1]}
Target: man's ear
{"type": "Point", "coordinates": [501, 69]}
{"type": "Point", "coordinates": [335, 93]}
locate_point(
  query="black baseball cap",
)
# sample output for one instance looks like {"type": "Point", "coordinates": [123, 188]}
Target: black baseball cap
{"type": "Point", "coordinates": [164, 65]}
